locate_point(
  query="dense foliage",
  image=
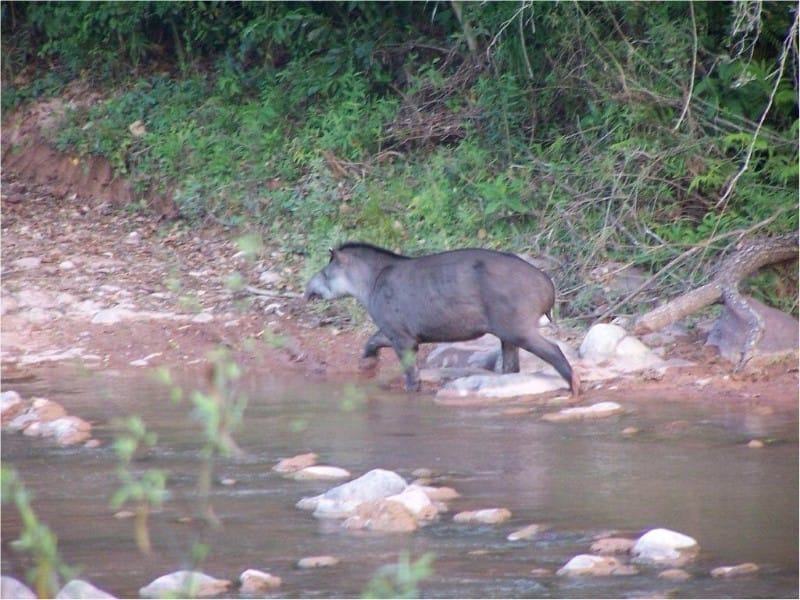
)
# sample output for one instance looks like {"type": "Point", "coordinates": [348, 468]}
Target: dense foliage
{"type": "Point", "coordinates": [586, 131]}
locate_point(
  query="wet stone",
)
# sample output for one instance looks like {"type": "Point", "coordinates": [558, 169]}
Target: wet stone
{"type": "Point", "coordinates": [12, 588]}
{"type": "Point", "coordinates": [319, 473]}
{"type": "Point", "coordinates": [488, 516]}
{"type": "Point", "coordinates": [185, 584]}
{"type": "Point", "coordinates": [540, 572]}
{"type": "Point", "coordinates": [596, 566]}
{"type": "Point", "coordinates": [674, 575]}
{"type": "Point", "coordinates": [254, 581]}
{"type": "Point", "coordinates": [11, 404]}
{"type": "Point", "coordinates": [526, 533]}
{"type": "Point", "coordinates": [78, 588]}
{"type": "Point", "coordinates": [315, 562]}
{"type": "Point", "coordinates": [755, 444]}
{"type": "Point", "coordinates": [440, 494]}
{"type": "Point", "coordinates": [665, 547]}
{"type": "Point", "coordinates": [609, 546]}
{"type": "Point", "coordinates": [386, 516]}
{"type": "Point", "coordinates": [599, 410]}
{"type": "Point", "coordinates": [735, 571]}
{"type": "Point", "coordinates": [295, 463]}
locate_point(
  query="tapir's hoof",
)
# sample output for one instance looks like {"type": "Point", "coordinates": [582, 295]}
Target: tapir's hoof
{"type": "Point", "coordinates": [368, 363]}
{"type": "Point", "coordinates": [575, 384]}
{"type": "Point", "coordinates": [413, 387]}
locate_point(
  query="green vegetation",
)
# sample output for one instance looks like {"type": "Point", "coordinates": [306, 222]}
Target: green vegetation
{"type": "Point", "coordinates": [588, 132]}
{"type": "Point", "coordinates": [148, 490]}
{"type": "Point", "coordinates": [400, 580]}
{"type": "Point", "coordinates": [36, 538]}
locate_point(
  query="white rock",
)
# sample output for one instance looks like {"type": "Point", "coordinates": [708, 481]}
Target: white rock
{"type": "Point", "coordinates": [11, 404]}
{"type": "Point", "coordinates": [488, 516]}
{"type": "Point", "coordinates": [630, 347]}
{"type": "Point", "coordinates": [341, 501]}
{"type": "Point", "coordinates": [29, 298]}
{"type": "Point", "coordinates": [417, 502]}
{"type": "Point", "coordinates": [599, 566]}
{"type": "Point", "coordinates": [185, 584]}
{"type": "Point", "coordinates": [735, 571]}
{"type": "Point", "coordinates": [78, 589]}
{"type": "Point", "coordinates": [111, 316]}
{"type": "Point", "coordinates": [598, 410]}
{"type": "Point", "coordinates": [203, 317]}
{"type": "Point", "coordinates": [11, 588]}
{"type": "Point", "coordinates": [314, 562]}
{"type": "Point", "coordinates": [385, 516]}
{"type": "Point", "coordinates": [503, 386]}
{"type": "Point", "coordinates": [526, 533]}
{"type": "Point", "coordinates": [27, 263]}
{"type": "Point", "coordinates": [67, 265]}
{"type": "Point", "coordinates": [601, 341]}
{"type": "Point", "coordinates": [319, 472]}
{"type": "Point", "coordinates": [66, 430]}
{"type": "Point", "coordinates": [664, 547]}
{"type": "Point", "coordinates": [439, 494]}
{"type": "Point", "coordinates": [254, 581]}
{"type": "Point", "coordinates": [133, 238]}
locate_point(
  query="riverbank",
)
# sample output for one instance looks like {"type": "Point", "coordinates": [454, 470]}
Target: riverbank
{"type": "Point", "coordinates": [88, 284]}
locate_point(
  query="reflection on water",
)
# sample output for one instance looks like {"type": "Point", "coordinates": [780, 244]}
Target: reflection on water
{"type": "Point", "coordinates": [697, 477]}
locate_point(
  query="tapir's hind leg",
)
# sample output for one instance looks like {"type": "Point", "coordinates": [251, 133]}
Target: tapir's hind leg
{"type": "Point", "coordinates": [536, 344]}
{"type": "Point", "coordinates": [369, 358]}
{"type": "Point", "coordinates": [510, 357]}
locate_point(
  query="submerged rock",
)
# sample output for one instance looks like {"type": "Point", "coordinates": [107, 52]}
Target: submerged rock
{"type": "Point", "coordinates": [320, 473]}
{"type": "Point", "coordinates": [540, 572]}
{"type": "Point", "coordinates": [254, 581]}
{"type": "Point", "coordinates": [674, 575]}
{"type": "Point", "coordinates": [506, 385]}
{"type": "Point", "coordinates": [735, 571]}
{"type": "Point", "coordinates": [341, 501]}
{"type": "Point", "coordinates": [417, 502]}
{"type": "Point", "coordinates": [295, 463]}
{"type": "Point", "coordinates": [387, 516]}
{"type": "Point", "coordinates": [488, 516]}
{"type": "Point", "coordinates": [755, 444]}
{"type": "Point", "coordinates": [609, 546]}
{"type": "Point", "coordinates": [67, 431]}
{"type": "Point", "coordinates": [40, 410]}
{"type": "Point", "coordinates": [665, 547]}
{"type": "Point", "coordinates": [599, 410]}
{"type": "Point", "coordinates": [315, 562]}
{"type": "Point", "coordinates": [12, 588]}
{"type": "Point", "coordinates": [598, 566]}
{"type": "Point", "coordinates": [526, 533]}
{"type": "Point", "coordinates": [78, 589]}
{"type": "Point", "coordinates": [185, 584]}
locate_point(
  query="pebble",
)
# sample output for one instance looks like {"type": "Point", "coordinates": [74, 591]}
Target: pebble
{"type": "Point", "coordinates": [755, 444]}
{"type": "Point", "coordinates": [66, 265]}
{"type": "Point", "coordinates": [526, 533]}
{"type": "Point", "coordinates": [228, 481]}
{"type": "Point", "coordinates": [314, 562]}
{"type": "Point", "coordinates": [254, 581]}
{"type": "Point", "coordinates": [27, 263]}
{"type": "Point", "coordinates": [295, 463]}
{"type": "Point", "coordinates": [735, 571]}
{"type": "Point", "coordinates": [488, 516]}
{"type": "Point", "coordinates": [630, 431]}
{"type": "Point", "coordinates": [11, 404]}
{"type": "Point", "coordinates": [674, 575]}
{"type": "Point", "coordinates": [92, 443]}
{"type": "Point", "coordinates": [422, 473]}
{"type": "Point", "coordinates": [319, 473]}
{"type": "Point", "coordinates": [541, 572]}
{"type": "Point", "coordinates": [124, 514]}
{"type": "Point", "coordinates": [417, 502]}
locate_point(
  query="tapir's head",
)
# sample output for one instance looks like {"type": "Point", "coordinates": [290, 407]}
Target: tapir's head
{"type": "Point", "coordinates": [336, 280]}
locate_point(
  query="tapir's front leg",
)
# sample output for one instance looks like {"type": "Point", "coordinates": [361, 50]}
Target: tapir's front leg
{"type": "Point", "coordinates": [369, 358]}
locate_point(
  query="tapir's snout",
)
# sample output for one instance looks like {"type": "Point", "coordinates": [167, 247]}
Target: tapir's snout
{"type": "Point", "coordinates": [316, 288]}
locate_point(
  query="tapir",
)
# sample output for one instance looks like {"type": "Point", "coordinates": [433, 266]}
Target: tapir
{"type": "Point", "coordinates": [450, 296]}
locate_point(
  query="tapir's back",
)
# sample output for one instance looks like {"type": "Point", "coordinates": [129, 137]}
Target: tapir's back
{"type": "Point", "coordinates": [462, 294]}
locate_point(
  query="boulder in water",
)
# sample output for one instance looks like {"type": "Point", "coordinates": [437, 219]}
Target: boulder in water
{"type": "Point", "coordinates": [387, 516]}
{"type": "Point", "coordinates": [185, 584]}
{"type": "Point", "coordinates": [665, 547]}
{"type": "Point", "coordinates": [598, 566]}
{"type": "Point", "coordinates": [295, 463]}
{"type": "Point", "coordinates": [78, 589]}
{"type": "Point", "coordinates": [341, 501]}
{"type": "Point", "coordinates": [12, 588]}
{"type": "Point", "coordinates": [254, 581]}
{"type": "Point", "coordinates": [488, 516]}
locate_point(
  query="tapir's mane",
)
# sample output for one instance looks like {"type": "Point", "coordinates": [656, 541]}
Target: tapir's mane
{"type": "Point", "coordinates": [365, 246]}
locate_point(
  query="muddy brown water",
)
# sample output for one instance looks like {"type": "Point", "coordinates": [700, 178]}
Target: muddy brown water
{"type": "Point", "coordinates": [689, 470]}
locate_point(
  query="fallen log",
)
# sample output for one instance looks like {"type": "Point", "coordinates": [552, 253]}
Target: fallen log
{"type": "Point", "coordinates": [746, 260]}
